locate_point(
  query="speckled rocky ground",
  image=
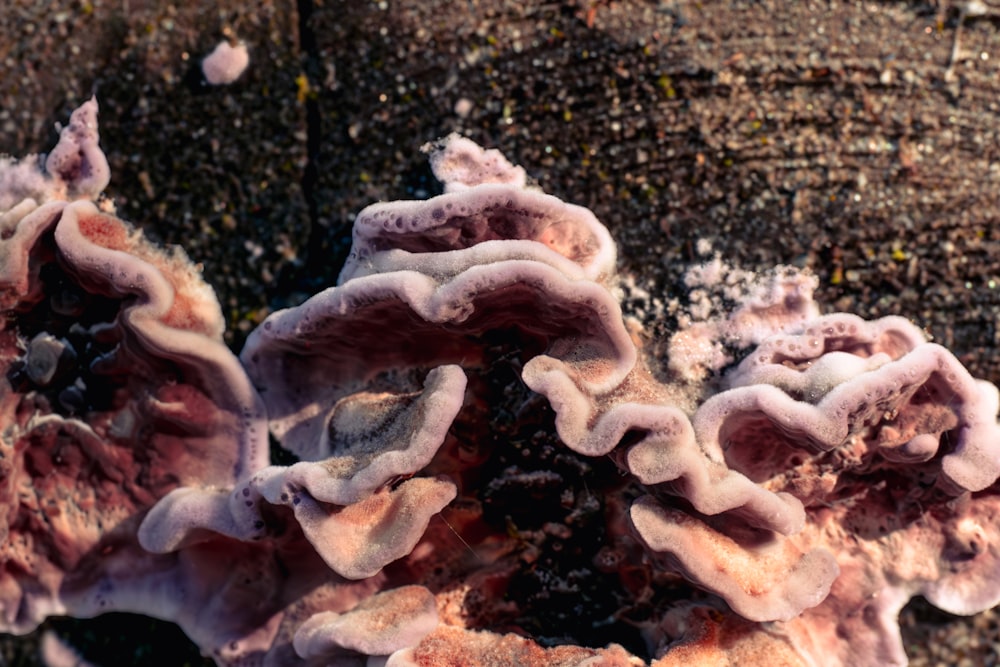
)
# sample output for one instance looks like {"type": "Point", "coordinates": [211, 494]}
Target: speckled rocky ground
{"type": "Point", "coordinates": [822, 134]}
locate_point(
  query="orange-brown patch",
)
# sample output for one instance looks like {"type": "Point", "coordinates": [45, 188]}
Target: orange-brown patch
{"type": "Point", "coordinates": [105, 231]}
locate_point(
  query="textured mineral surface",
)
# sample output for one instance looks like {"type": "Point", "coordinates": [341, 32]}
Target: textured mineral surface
{"type": "Point", "coordinates": [834, 136]}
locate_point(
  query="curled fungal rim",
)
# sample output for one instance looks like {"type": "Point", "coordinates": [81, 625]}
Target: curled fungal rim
{"type": "Point", "coordinates": [767, 385]}
{"type": "Point", "coordinates": [127, 270]}
{"type": "Point", "coordinates": [458, 221]}
{"type": "Point", "coordinates": [296, 356]}
{"type": "Point", "coordinates": [160, 311]}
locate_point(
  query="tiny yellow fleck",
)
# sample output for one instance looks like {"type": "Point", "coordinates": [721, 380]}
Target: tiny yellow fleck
{"type": "Point", "coordinates": [302, 88]}
{"type": "Point", "coordinates": [664, 82]}
{"type": "Point", "coordinates": [364, 177]}
{"type": "Point", "coordinates": [898, 255]}
{"type": "Point", "coordinates": [567, 115]}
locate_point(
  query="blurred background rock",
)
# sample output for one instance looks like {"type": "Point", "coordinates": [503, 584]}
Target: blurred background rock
{"type": "Point", "coordinates": [837, 136]}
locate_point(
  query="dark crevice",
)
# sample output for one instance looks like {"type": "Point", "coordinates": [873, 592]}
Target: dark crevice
{"type": "Point", "coordinates": [311, 65]}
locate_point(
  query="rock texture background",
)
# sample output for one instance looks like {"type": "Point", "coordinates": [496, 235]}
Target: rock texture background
{"type": "Point", "coordinates": [829, 135]}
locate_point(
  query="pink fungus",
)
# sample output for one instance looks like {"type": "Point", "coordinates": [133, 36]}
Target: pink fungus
{"type": "Point", "coordinates": [116, 389]}
{"type": "Point", "coordinates": [488, 467]}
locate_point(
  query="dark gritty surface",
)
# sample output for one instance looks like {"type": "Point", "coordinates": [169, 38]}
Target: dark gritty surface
{"type": "Point", "coordinates": [825, 135]}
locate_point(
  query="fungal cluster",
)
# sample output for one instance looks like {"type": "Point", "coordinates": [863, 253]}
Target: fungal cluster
{"type": "Point", "coordinates": [481, 463]}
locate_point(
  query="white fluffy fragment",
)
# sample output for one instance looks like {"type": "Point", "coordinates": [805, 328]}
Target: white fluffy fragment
{"type": "Point", "coordinates": [225, 63]}
{"type": "Point", "coordinates": [461, 163]}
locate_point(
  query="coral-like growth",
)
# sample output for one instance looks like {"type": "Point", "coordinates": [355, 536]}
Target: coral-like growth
{"type": "Point", "coordinates": [312, 363]}
{"type": "Point", "coordinates": [75, 169]}
{"type": "Point", "coordinates": [489, 471]}
{"type": "Point", "coordinates": [892, 448]}
{"type": "Point", "coordinates": [379, 626]}
{"type": "Point", "coordinates": [116, 388]}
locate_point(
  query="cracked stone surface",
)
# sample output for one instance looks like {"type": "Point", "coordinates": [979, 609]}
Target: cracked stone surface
{"type": "Point", "coordinates": [827, 135]}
